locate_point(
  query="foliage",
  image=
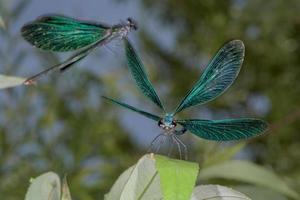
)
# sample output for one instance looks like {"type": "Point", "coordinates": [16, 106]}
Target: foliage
{"type": "Point", "coordinates": [9, 81]}
{"type": "Point", "coordinates": [244, 171]}
{"type": "Point", "coordinates": [215, 192]}
{"type": "Point", "coordinates": [159, 177]}
{"type": "Point", "coordinates": [62, 125]}
{"type": "Point", "coordinates": [46, 186]}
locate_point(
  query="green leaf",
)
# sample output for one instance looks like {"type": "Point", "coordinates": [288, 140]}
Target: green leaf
{"type": "Point", "coordinates": [216, 192]}
{"type": "Point", "coordinates": [177, 177]}
{"type": "Point", "coordinates": [143, 182]}
{"type": "Point", "coordinates": [44, 187]}
{"type": "Point", "coordinates": [139, 182]}
{"type": "Point", "coordinates": [66, 195]}
{"type": "Point", "coordinates": [151, 175]}
{"type": "Point", "coordinates": [250, 173]}
{"type": "Point", "coordinates": [224, 154]}
{"type": "Point", "coordinates": [259, 193]}
{"type": "Point", "coordinates": [10, 81]}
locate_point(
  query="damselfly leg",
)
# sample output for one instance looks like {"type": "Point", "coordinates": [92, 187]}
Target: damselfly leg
{"type": "Point", "coordinates": [158, 144]}
{"type": "Point", "coordinates": [179, 145]}
{"type": "Point", "coordinates": [161, 142]}
{"type": "Point", "coordinates": [170, 148]}
{"type": "Point", "coordinates": [152, 144]}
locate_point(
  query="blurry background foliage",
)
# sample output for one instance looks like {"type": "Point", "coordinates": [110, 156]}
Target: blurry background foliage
{"type": "Point", "coordinates": [62, 124]}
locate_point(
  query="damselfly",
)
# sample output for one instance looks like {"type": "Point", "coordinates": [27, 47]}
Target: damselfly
{"type": "Point", "coordinates": [217, 77]}
{"type": "Point", "coordinates": [60, 34]}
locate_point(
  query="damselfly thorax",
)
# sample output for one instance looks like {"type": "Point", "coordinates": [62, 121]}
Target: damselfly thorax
{"type": "Point", "coordinates": [122, 29]}
{"type": "Point", "coordinates": [167, 123]}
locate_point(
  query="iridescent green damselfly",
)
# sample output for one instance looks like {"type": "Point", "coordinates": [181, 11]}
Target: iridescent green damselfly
{"type": "Point", "coordinates": [218, 76]}
{"type": "Point", "coordinates": [61, 34]}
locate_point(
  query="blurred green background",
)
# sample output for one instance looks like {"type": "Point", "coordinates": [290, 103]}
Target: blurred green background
{"type": "Point", "coordinates": [62, 124]}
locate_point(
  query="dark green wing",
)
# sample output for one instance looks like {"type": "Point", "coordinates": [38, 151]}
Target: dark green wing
{"type": "Point", "coordinates": [59, 33]}
{"type": "Point", "coordinates": [225, 130]}
{"type": "Point", "coordinates": [217, 77]}
{"type": "Point", "coordinates": [71, 61]}
{"type": "Point", "coordinates": [137, 71]}
{"type": "Point", "coordinates": [146, 114]}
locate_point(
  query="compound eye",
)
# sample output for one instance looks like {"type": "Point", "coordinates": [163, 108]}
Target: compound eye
{"type": "Point", "coordinates": [160, 123]}
{"type": "Point", "coordinates": [132, 23]}
{"type": "Point", "coordinates": [174, 124]}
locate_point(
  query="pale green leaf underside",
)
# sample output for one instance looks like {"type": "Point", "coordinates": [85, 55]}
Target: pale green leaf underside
{"type": "Point", "coordinates": [177, 177]}
{"type": "Point", "coordinates": [118, 187]}
{"type": "Point", "coordinates": [144, 181]}
{"type": "Point", "coordinates": [66, 195]}
{"type": "Point", "coordinates": [217, 192]}
{"type": "Point", "coordinates": [250, 173]}
{"type": "Point", "coordinates": [139, 182]}
{"type": "Point", "coordinates": [10, 81]}
{"type": "Point", "coordinates": [44, 187]}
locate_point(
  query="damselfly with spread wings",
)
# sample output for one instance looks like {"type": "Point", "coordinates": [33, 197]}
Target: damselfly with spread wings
{"type": "Point", "coordinates": [217, 77]}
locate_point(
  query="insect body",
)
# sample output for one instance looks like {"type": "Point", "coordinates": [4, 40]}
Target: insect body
{"type": "Point", "coordinates": [60, 34]}
{"type": "Point", "coordinates": [167, 123]}
{"type": "Point", "coordinates": [217, 77]}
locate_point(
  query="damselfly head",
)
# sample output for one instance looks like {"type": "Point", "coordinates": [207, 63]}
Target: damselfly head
{"type": "Point", "coordinates": [132, 23]}
{"type": "Point", "coordinates": [167, 123]}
